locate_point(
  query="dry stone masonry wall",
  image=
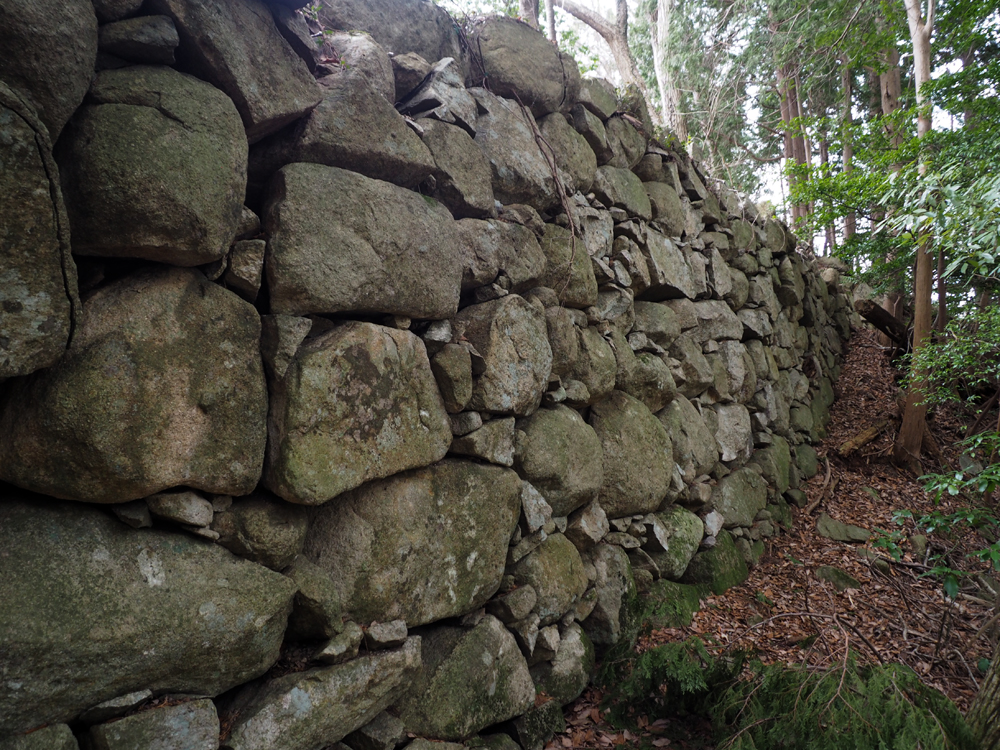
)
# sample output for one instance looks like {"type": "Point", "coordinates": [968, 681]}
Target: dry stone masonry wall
{"type": "Point", "coordinates": [351, 382]}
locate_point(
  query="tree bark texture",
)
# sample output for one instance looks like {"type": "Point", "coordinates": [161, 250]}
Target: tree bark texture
{"type": "Point", "coordinates": [614, 34]}
{"type": "Point", "coordinates": [670, 100]}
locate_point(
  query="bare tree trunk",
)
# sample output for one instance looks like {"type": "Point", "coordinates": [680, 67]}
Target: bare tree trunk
{"type": "Point", "coordinates": [942, 292]}
{"type": "Point", "coordinates": [615, 34]}
{"type": "Point", "coordinates": [528, 11]}
{"type": "Point", "coordinates": [891, 91]}
{"type": "Point", "coordinates": [906, 451]}
{"type": "Point", "coordinates": [830, 230]}
{"type": "Point", "coordinates": [851, 219]}
{"type": "Point", "coordinates": [550, 17]}
{"type": "Point", "coordinates": [670, 100]}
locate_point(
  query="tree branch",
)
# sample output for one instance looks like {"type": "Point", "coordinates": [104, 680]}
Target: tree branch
{"type": "Point", "coordinates": [594, 20]}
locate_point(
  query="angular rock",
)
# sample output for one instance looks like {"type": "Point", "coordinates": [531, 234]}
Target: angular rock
{"type": "Point", "coordinates": [294, 27]}
{"type": "Point", "coordinates": [739, 497]}
{"type": "Point", "coordinates": [382, 635]}
{"type": "Point", "coordinates": [622, 189]}
{"type": "Point", "coordinates": [452, 368]}
{"type": "Point", "coordinates": [246, 268]}
{"type": "Point", "coordinates": [400, 26]}
{"type": "Point", "coordinates": [565, 677]}
{"type": "Point", "coordinates": [263, 529]}
{"type": "Point", "coordinates": [317, 612]}
{"type": "Point", "coordinates": [38, 294]}
{"type": "Point", "coordinates": [733, 432]}
{"type": "Point", "coordinates": [614, 583]}
{"type": "Point", "coordinates": [321, 706]}
{"type": "Point", "coordinates": [831, 528]}
{"type": "Point", "coordinates": [695, 449]}
{"type": "Point", "coordinates": [377, 240]}
{"type": "Point", "coordinates": [676, 534]}
{"type": "Point", "coordinates": [343, 647]}
{"type": "Point", "coordinates": [462, 173]}
{"type": "Point", "coordinates": [384, 732]}
{"type": "Point", "coordinates": [666, 207]}
{"type": "Point", "coordinates": [408, 70]}
{"type": "Point", "coordinates": [587, 526]}
{"type": "Point", "coordinates": [181, 507]}
{"type": "Point", "coordinates": [356, 50]}
{"type": "Point", "coordinates": [568, 268]}
{"type": "Point", "coordinates": [280, 339]}
{"type": "Point", "coordinates": [153, 605]}
{"type": "Point", "coordinates": [555, 571]}
{"type": "Point", "coordinates": [147, 39]}
{"type": "Point", "coordinates": [441, 95]}
{"type": "Point", "coordinates": [499, 250]}
{"type": "Point", "coordinates": [716, 321]}
{"type": "Point", "coordinates": [193, 725]}
{"type": "Point", "coordinates": [596, 366]}
{"type": "Point", "coordinates": [511, 335]}
{"type": "Point", "coordinates": [374, 141]}
{"type": "Point", "coordinates": [357, 403]}
{"type": "Point", "coordinates": [692, 373]}
{"type": "Point", "coordinates": [504, 48]}
{"type": "Point", "coordinates": [561, 455]}
{"type": "Point", "coordinates": [658, 322]}
{"type": "Point", "coordinates": [598, 96]}
{"type": "Point", "coordinates": [535, 727]}
{"type": "Point", "coordinates": [669, 273]}
{"type": "Point", "coordinates": [470, 680]}
{"type": "Point", "coordinates": [236, 47]}
{"type": "Point", "coordinates": [592, 129]}
{"type": "Point", "coordinates": [185, 138]}
{"type": "Point", "coordinates": [493, 442]}
{"type": "Point", "coordinates": [840, 579]}
{"type": "Point", "coordinates": [134, 408]}
{"type": "Point", "coordinates": [519, 171]}
{"type": "Point", "coordinates": [571, 151]}
{"type": "Point", "coordinates": [719, 568]}
{"type": "Point", "coordinates": [626, 143]}
{"type": "Point", "coordinates": [651, 382]}
{"type": "Point", "coordinates": [49, 53]}
{"type": "Point", "coordinates": [513, 606]}
{"type": "Point", "coordinates": [418, 546]}
{"type": "Point", "coordinates": [774, 461]}
{"type": "Point", "coordinates": [535, 511]}
{"type": "Point", "coordinates": [638, 456]}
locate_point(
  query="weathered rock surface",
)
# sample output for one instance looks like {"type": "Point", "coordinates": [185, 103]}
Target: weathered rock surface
{"type": "Point", "coordinates": [739, 497]}
{"type": "Point", "coordinates": [638, 456]}
{"type": "Point", "coordinates": [52, 737]}
{"type": "Point", "coordinates": [561, 455]}
{"type": "Point", "coordinates": [124, 610]}
{"type": "Point", "coordinates": [263, 529]}
{"type": "Point", "coordinates": [357, 50]}
{"type": "Point", "coordinates": [521, 64]}
{"type": "Point", "coordinates": [236, 47]}
{"type": "Point", "coordinates": [555, 571]}
{"type": "Point", "coordinates": [389, 251]}
{"type": "Point", "coordinates": [470, 680]}
{"type": "Point", "coordinates": [162, 386]}
{"type": "Point", "coordinates": [49, 53]}
{"type": "Point", "coordinates": [37, 273]}
{"type": "Point", "coordinates": [676, 534]}
{"type": "Point", "coordinates": [565, 677]}
{"type": "Point", "coordinates": [613, 582]}
{"type": "Point", "coordinates": [719, 568]}
{"type": "Point", "coordinates": [520, 172]}
{"type": "Point", "coordinates": [568, 268]}
{"type": "Point", "coordinates": [321, 706]}
{"type": "Point", "coordinates": [357, 403]}
{"type": "Point", "coordinates": [501, 251]}
{"type": "Point", "coordinates": [462, 172]}
{"type": "Point", "coordinates": [185, 139]}
{"type": "Point", "coordinates": [419, 546]}
{"type": "Point", "coordinates": [511, 336]}
{"type": "Point", "coordinates": [622, 189]}
{"type": "Point", "coordinates": [374, 141]}
{"type": "Point", "coordinates": [193, 725]}
{"type": "Point", "coordinates": [147, 39]}
{"type": "Point", "coordinates": [400, 26]}
{"type": "Point", "coordinates": [695, 449]}
{"type": "Point", "coordinates": [574, 157]}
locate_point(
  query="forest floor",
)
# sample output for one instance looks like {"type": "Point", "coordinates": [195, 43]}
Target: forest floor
{"type": "Point", "coordinates": [784, 613]}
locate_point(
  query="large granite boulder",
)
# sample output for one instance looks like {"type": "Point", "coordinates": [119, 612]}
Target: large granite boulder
{"type": "Point", "coordinates": [342, 242]}
{"type": "Point", "coordinates": [470, 679]}
{"type": "Point", "coordinates": [506, 134]}
{"type": "Point", "coordinates": [574, 156]}
{"type": "Point", "coordinates": [48, 56]}
{"type": "Point", "coordinates": [235, 46]}
{"type": "Point", "coordinates": [162, 386]}
{"type": "Point", "coordinates": [569, 270]}
{"type": "Point", "coordinates": [357, 403]}
{"type": "Point", "coordinates": [185, 140]}
{"type": "Point", "coordinates": [374, 141]}
{"type": "Point", "coordinates": [638, 456]}
{"type": "Point", "coordinates": [556, 573]}
{"type": "Point", "coordinates": [321, 706]}
{"type": "Point", "coordinates": [561, 455]}
{"type": "Point", "coordinates": [123, 610]}
{"type": "Point", "coordinates": [418, 546]}
{"type": "Point", "coordinates": [739, 497]}
{"type": "Point", "coordinates": [400, 26]}
{"type": "Point", "coordinates": [491, 248]}
{"type": "Point", "coordinates": [358, 51]}
{"type": "Point", "coordinates": [38, 292]}
{"type": "Point", "coordinates": [462, 173]}
{"type": "Point", "coordinates": [519, 63]}
{"type": "Point", "coordinates": [511, 336]}
{"type": "Point", "coordinates": [622, 189]}
{"type": "Point", "coordinates": [669, 273]}
{"type": "Point", "coordinates": [695, 449]}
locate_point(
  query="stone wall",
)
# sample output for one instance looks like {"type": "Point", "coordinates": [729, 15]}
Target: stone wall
{"type": "Point", "coordinates": [346, 391]}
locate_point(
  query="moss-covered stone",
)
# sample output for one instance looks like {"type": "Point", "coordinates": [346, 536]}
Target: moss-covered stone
{"type": "Point", "coordinates": [676, 534]}
{"type": "Point", "coordinates": [720, 568]}
{"type": "Point", "coordinates": [357, 403]}
{"type": "Point", "coordinates": [470, 679]}
{"type": "Point", "coordinates": [421, 545]}
{"type": "Point", "coordinates": [568, 269]}
{"type": "Point", "coordinates": [537, 725]}
{"type": "Point", "coordinates": [774, 461]}
{"type": "Point", "coordinates": [840, 579]}
{"type": "Point", "coordinates": [123, 610]}
{"type": "Point", "coordinates": [564, 678]}
{"type": "Point", "coordinates": [193, 726]}
{"type": "Point", "coordinates": [162, 386]}
{"type": "Point", "coordinates": [556, 573]}
{"type": "Point", "coordinates": [739, 497]}
{"type": "Point", "coordinates": [614, 584]}
{"type": "Point", "coordinates": [669, 604]}
{"type": "Point", "coordinates": [806, 461]}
